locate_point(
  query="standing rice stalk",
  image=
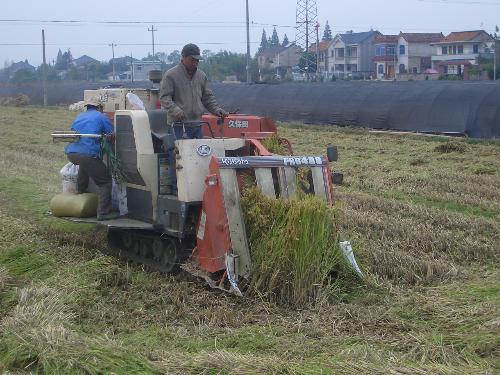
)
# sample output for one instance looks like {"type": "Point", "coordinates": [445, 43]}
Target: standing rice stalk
{"type": "Point", "coordinates": [294, 247]}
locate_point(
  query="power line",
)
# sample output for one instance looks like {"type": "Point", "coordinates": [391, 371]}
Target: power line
{"type": "Point", "coordinates": [123, 22]}
{"type": "Point", "coordinates": [121, 44]}
{"type": "Point", "coordinates": [474, 2]}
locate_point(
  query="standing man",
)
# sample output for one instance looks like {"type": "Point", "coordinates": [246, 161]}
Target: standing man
{"type": "Point", "coordinates": [86, 153]}
{"type": "Point", "coordinates": [184, 91]}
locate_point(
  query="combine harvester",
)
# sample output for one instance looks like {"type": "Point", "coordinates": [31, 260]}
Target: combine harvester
{"type": "Point", "coordinates": [201, 228]}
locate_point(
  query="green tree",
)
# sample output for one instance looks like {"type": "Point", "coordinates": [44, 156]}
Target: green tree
{"type": "Point", "coordinates": [223, 64]}
{"type": "Point", "coordinates": [207, 54]}
{"type": "Point", "coordinates": [263, 41]}
{"type": "Point", "coordinates": [59, 59]}
{"type": "Point", "coordinates": [285, 42]}
{"type": "Point", "coordinates": [50, 71]}
{"type": "Point", "coordinates": [24, 75]}
{"type": "Point", "coordinates": [275, 40]}
{"type": "Point", "coordinates": [327, 33]}
{"type": "Point", "coordinates": [64, 60]}
{"type": "Point", "coordinates": [174, 57]}
{"type": "Point", "coordinates": [308, 59]}
{"type": "Point", "coordinates": [162, 56]}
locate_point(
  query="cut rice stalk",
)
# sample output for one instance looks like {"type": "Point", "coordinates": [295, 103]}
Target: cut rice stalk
{"type": "Point", "coordinates": [294, 247]}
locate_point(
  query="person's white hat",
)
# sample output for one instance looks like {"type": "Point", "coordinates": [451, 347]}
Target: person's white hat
{"type": "Point", "coordinates": [94, 101]}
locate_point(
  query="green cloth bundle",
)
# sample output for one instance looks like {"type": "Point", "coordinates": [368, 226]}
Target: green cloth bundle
{"type": "Point", "coordinates": [74, 205]}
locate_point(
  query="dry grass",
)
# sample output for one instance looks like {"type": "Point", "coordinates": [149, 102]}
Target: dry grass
{"type": "Point", "coordinates": [425, 228]}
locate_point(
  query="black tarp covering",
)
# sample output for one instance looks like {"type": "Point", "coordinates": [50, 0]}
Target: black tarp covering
{"type": "Point", "coordinates": [465, 107]}
{"type": "Point", "coordinates": [470, 108]}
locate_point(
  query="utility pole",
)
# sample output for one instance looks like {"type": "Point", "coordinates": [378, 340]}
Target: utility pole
{"type": "Point", "coordinates": [395, 57]}
{"type": "Point", "coordinates": [44, 71]}
{"type": "Point", "coordinates": [495, 61]}
{"type": "Point", "coordinates": [113, 45]}
{"type": "Point", "coordinates": [317, 50]}
{"type": "Point", "coordinates": [495, 54]}
{"type": "Point", "coordinates": [248, 44]}
{"type": "Point", "coordinates": [131, 67]}
{"type": "Point", "coordinates": [153, 38]}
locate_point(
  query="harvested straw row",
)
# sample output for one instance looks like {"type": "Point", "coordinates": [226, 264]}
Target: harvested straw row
{"type": "Point", "coordinates": [38, 336]}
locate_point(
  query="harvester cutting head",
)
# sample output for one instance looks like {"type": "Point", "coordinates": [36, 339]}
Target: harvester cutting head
{"type": "Point", "coordinates": [222, 245]}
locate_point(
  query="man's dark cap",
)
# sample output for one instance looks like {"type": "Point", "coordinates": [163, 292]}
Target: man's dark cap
{"type": "Point", "coordinates": [191, 50]}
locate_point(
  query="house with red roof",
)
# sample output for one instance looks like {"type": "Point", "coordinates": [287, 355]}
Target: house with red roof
{"type": "Point", "coordinates": [385, 57]}
{"type": "Point", "coordinates": [414, 51]}
{"type": "Point", "coordinates": [459, 52]}
{"type": "Point", "coordinates": [323, 57]}
{"type": "Point", "coordinates": [404, 53]}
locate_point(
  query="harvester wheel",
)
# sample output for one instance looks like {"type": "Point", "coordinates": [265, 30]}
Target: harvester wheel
{"type": "Point", "coordinates": [145, 251]}
{"type": "Point", "coordinates": [127, 241]}
{"type": "Point", "coordinates": [157, 248]}
{"type": "Point", "coordinates": [114, 242]}
{"type": "Point", "coordinates": [168, 259]}
{"type": "Point", "coordinates": [136, 247]}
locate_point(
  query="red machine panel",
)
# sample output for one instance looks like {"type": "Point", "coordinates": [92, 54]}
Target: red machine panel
{"type": "Point", "coordinates": [236, 126]}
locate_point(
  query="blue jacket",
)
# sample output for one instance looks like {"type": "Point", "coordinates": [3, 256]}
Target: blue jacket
{"type": "Point", "coordinates": [90, 122]}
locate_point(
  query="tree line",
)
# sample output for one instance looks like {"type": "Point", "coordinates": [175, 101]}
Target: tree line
{"type": "Point", "coordinates": [217, 65]}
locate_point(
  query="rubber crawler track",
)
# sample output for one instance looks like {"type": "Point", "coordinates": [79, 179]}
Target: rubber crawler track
{"type": "Point", "coordinates": [156, 251]}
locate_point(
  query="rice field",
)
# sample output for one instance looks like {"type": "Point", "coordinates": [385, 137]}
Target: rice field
{"type": "Point", "coordinates": [422, 214]}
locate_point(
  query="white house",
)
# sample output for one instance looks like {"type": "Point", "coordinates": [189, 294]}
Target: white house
{"type": "Point", "coordinates": [140, 70]}
{"type": "Point", "coordinates": [459, 51]}
{"type": "Point", "coordinates": [350, 54]}
{"type": "Point", "coordinates": [414, 51]}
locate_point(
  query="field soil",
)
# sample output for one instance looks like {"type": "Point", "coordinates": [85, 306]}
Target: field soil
{"type": "Point", "coordinates": [422, 213]}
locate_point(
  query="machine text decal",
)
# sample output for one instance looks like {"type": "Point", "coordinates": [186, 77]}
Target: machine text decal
{"type": "Point", "coordinates": [303, 161]}
{"type": "Point", "coordinates": [238, 124]}
{"type": "Point", "coordinates": [234, 161]}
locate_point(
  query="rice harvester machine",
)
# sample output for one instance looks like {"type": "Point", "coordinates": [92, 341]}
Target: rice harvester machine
{"type": "Point", "coordinates": [201, 227]}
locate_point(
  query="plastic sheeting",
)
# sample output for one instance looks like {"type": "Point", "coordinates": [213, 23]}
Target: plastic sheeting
{"type": "Point", "coordinates": [469, 108]}
{"type": "Point", "coordinates": [463, 107]}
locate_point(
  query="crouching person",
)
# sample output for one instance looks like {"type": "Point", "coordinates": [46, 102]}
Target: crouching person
{"type": "Point", "coordinates": [86, 154]}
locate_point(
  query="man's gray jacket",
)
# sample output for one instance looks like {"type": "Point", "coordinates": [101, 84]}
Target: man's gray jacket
{"type": "Point", "coordinates": [180, 93]}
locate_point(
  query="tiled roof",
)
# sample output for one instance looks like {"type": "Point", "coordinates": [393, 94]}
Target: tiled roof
{"type": "Point", "coordinates": [323, 46]}
{"type": "Point", "coordinates": [355, 38]}
{"type": "Point", "coordinates": [82, 60]}
{"type": "Point", "coordinates": [273, 51]}
{"type": "Point", "coordinates": [386, 39]}
{"type": "Point", "coordinates": [422, 37]}
{"type": "Point", "coordinates": [21, 65]}
{"type": "Point", "coordinates": [463, 36]}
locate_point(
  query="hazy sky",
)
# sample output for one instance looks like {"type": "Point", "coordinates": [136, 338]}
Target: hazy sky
{"type": "Point", "coordinates": [212, 24]}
